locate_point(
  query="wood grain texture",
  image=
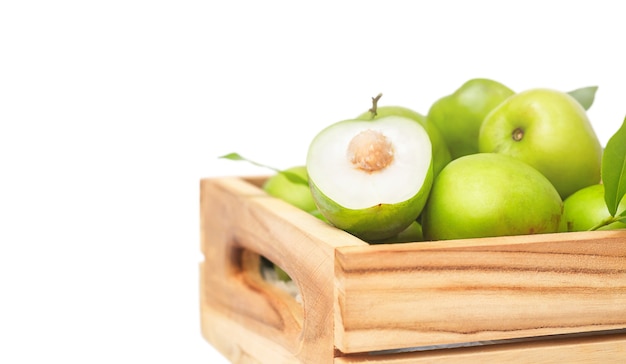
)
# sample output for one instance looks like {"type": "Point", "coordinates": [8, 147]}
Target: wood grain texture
{"type": "Point", "coordinates": [239, 222]}
{"type": "Point", "coordinates": [359, 298]}
{"type": "Point", "coordinates": [479, 289]}
{"type": "Point", "coordinates": [605, 349]}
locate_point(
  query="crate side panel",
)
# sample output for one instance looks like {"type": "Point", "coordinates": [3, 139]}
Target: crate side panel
{"type": "Point", "coordinates": [239, 220]}
{"type": "Point", "coordinates": [395, 296]}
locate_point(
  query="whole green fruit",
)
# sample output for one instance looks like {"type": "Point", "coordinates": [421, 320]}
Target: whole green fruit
{"type": "Point", "coordinates": [371, 178]}
{"type": "Point", "coordinates": [441, 154]}
{"type": "Point", "coordinates": [412, 233]}
{"type": "Point", "coordinates": [458, 116]}
{"type": "Point", "coordinates": [488, 194]}
{"type": "Point", "coordinates": [549, 130]}
{"type": "Point", "coordinates": [586, 208]}
{"type": "Point", "coordinates": [297, 194]}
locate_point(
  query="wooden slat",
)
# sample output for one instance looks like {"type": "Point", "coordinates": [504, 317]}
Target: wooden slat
{"type": "Point", "coordinates": [405, 295]}
{"type": "Point", "coordinates": [605, 349]}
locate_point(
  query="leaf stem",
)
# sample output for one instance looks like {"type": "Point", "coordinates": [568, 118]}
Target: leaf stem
{"type": "Point", "coordinates": [606, 222]}
{"type": "Point", "coordinates": [238, 157]}
{"type": "Point", "coordinates": [293, 177]}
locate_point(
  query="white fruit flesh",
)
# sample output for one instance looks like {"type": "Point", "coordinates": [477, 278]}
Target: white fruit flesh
{"type": "Point", "coordinates": [359, 164]}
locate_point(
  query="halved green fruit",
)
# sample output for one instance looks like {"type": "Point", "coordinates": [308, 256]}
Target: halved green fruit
{"type": "Point", "coordinates": [441, 154]}
{"type": "Point", "coordinates": [371, 178]}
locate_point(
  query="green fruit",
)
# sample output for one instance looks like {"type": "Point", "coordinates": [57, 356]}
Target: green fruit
{"type": "Point", "coordinates": [281, 274]}
{"type": "Point", "coordinates": [297, 194]}
{"type": "Point", "coordinates": [371, 178]}
{"type": "Point", "coordinates": [586, 208]}
{"type": "Point", "coordinates": [412, 233]}
{"type": "Point", "coordinates": [549, 130]}
{"type": "Point", "coordinates": [458, 116]}
{"type": "Point", "coordinates": [441, 154]}
{"type": "Point", "coordinates": [488, 194]}
{"type": "Point", "coordinates": [318, 214]}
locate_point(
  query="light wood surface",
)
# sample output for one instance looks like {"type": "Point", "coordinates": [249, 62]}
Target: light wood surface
{"type": "Point", "coordinates": [605, 349]}
{"type": "Point", "coordinates": [239, 222]}
{"type": "Point", "coordinates": [479, 289]}
{"type": "Point", "coordinates": [359, 298]}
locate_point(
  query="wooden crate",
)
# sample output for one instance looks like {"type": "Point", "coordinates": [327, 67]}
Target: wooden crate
{"type": "Point", "coordinates": [540, 298]}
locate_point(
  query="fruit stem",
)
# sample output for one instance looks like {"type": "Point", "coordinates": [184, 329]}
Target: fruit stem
{"type": "Point", "coordinates": [518, 134]}
{"type": "Point", "coordinates": [374, 108]}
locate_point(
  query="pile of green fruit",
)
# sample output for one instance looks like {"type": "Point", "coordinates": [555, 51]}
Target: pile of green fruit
{"type": "Point", "coordinates": [484, 161]}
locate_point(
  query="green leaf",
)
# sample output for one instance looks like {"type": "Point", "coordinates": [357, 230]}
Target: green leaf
{"type": "Point", "coordinates": [232, 157]}
{"type": "Point", "coordinates": [292, 177]}
{"type": "Point", "coordinates": [238, 157]}
{"type": "Point", "coordinates": [614, 169]}
{"type": "Point", "coordinates": [585, 95]}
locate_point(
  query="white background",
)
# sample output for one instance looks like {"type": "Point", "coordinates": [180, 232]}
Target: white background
{"type": "Point", "coordinates": [111, 112]}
